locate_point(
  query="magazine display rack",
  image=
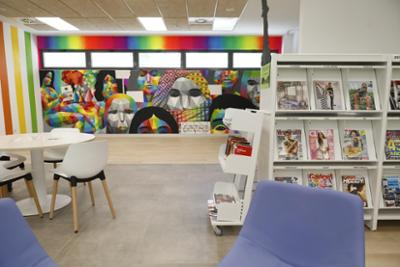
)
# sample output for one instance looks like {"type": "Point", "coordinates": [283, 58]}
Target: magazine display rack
{"type": "Point", "coordinates": [248, 124]}
{"type": "Point", "coordinates": [330, 115]}
{"type": "Point", "coordinates": [389, 209]}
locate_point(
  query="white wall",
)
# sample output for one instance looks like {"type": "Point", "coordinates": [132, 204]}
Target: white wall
{"type": "Point", "coordinates": [349, 26]}
{"type": "Point", "coordinates": [290, 42]}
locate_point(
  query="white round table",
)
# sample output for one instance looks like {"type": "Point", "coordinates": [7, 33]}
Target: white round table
{"type": "Point", "coordinates": [36, 143]}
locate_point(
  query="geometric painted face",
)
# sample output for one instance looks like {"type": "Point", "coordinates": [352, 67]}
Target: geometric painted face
{"type": "Point", "coordinates": [120, 115]}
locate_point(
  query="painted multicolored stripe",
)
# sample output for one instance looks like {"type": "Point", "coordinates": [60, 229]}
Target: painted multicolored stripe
{"type": "Point", "coordinates": [5, 94]}
{"type": "Point", "coordinates": [30, 76]}
{"type": "Point", "coordinates": [19, 80]}
{"type": "Point", "coordinates": [157, 42]}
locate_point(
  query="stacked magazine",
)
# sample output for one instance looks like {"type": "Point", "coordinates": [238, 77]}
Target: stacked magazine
{"type": "Point", "coordinates": [360, 95]}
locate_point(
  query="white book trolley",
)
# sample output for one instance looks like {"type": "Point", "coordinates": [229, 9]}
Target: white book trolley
{"type": "Point", "coordinates": [247, 123]}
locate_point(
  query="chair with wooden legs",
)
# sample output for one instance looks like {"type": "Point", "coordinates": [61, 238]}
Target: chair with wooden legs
{"type": "Point", "coordinates": [83, 162]}
{"type": "Point", "coordinates": [9, 176]}
{"type": "Point", "coordinates": [56, 155]}
{"type": "Point", "coordinates": [12, 161]}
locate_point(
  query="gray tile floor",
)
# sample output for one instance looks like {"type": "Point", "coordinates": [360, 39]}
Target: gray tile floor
{"type": "Point", "coordinates": [161, 222]}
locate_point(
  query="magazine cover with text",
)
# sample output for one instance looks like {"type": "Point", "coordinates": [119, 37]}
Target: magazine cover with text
{"type": "Point", "coordinates": [292, 95]}
{"type": "Point", "coordinates": [391, 191]}
{"type": "Point", "coordinates": [321, 144]}
{"type": "Point", "coordinates": [394, 97]}
{"type": "Point", "coordinates": [361, 95]}
{"type": "Point", "coordinates": [289, 144]}
{"type": "Point", "coordinates": [327, 95]}
{"type": "Point", "coordinates": [321, 180]}
{"type": "Point", "coordinates": [392, 146]}
{"type": "Point", "coordinates": [288, 179]}
{"type": "Point", "coordinates": [355, 184]}
{"type": "Point", "coordinates": [355, 145]}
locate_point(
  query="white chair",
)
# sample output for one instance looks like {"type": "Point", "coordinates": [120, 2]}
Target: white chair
{"type": "Point", "coordinates": [83, 162]}
{"type": "Point", "coordinates": [56, 155]}
{"type": "Point", "coordinates": [11, 161]}
{"type": "Point", "coordinates": [9, 176]}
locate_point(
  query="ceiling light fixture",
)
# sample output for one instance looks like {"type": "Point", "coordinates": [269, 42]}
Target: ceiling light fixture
{"type": "Point", "coordinates": [200, 20]}
{"type": "Point", "coordinates": [153, 23]}
{"type": "Point", "coordinates": [58, 23]}
{"type": "Point", "coordinates": [224, 24]}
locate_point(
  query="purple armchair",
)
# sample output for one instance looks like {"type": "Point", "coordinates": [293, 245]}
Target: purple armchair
{"type": "Point", "coordinates": [291, 226]}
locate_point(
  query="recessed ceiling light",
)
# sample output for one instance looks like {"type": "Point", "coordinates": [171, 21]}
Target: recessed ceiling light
{"type": "Point", "coordinates": [229, 9]}
{"type": "Point", "coordinates": [58, 23]}
{"type": "Point", "coordinates": [224, 24]}
{"type": "Point", "coordinates": [153, 23]}
{"type": "Point", "coordinates": [200, 20]}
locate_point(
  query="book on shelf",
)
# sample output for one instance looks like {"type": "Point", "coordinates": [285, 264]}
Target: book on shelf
{"type": "Point", "coordinates": [356, 184]}
{"type": "Point", "coordinates": [392, 145]}
{"type": "Point", "coordinates": [391, 191]}
{"type": "Point", "coordinates": [289, 144]}
{"type": "Point", "coordinates": [321, 144]}
{"type": "Point", "coordinates": [361, 95]}
{"type": "Point", "coordinates": [292, 95]}
{"type": "Point", "coordinates": [238, 145]}
{"type": "Point", "coordinates": [328, 95]}
{"type": "Point", "coordinates": [355, 144]}
{"type": "Point", "coordinates": [394, 97]}
{"type": "Point", "coordinates": [224, 198]}
{"type": "Point", "coordinates": [323, 180]}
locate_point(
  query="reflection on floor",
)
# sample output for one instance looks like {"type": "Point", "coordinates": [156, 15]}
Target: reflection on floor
{"type": "Point", "coordinates": [161, 221]}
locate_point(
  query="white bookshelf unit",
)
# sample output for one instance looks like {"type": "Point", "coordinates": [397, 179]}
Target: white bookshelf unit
{"type": "Point", "coordinates": [299, 104]}
{"type": "Point", "coordinates": [246, 123]}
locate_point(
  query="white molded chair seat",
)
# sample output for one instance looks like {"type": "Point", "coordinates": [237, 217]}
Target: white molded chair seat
{"type": "Point", "coordinates": [56, 155]}
{"type": "Point", "coordinates": [83, 162]}
{"type": "Point", "coordinates": [12, 160]}
{"type": "Point", "coordinates": [8, 176]}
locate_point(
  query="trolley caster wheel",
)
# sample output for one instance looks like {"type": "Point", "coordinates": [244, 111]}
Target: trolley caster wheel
{"type": "Point", "coordinates": [218, 230]}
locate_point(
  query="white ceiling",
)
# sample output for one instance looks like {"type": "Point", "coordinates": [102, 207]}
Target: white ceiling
{"type": "Point", "coordinates": [109, 17]}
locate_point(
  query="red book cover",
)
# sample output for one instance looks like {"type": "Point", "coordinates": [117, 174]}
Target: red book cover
{"type": "Point", "coordinates": [244, 150]}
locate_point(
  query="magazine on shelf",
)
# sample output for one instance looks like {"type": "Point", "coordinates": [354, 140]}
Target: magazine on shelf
{"type": "Point", "coordinates": [361, 95]}
{"type": "Point", "coordinates": [292, 95]}
{"type": "Point", "coordinates": [323, 180]}
{"type": "Point", "coordinates": [357, 185]}
{"type": "Point", "coordinates": [289, 144]}
{"type": "Point", "coordinates": [355, 145]}
{"type": "Point", "coordinates": [394, 97]}
{"type": "Point", "coordinates": [328, 95]}
{"type": "Point", "coordinates": [392, 145]}
{"type": "Point", "coordinates": [288, 176]}
{"type": "Point", "coordinates": [391, 191]}
{"type": "Point", "coordinates": [321, 144]}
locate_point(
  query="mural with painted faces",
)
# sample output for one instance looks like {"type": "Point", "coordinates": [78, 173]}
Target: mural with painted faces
{"type": "Point", "coordinates": [185, 94]}
{"type": "Point", "coordinates": [151, 120]}
{"type": "Point", "coordinates": [120, 110]}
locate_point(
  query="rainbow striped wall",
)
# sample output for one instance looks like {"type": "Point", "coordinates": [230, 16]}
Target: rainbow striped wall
{"type": "Point", "coordinates": [19, 81]}
{"type": "Point", "coordinates": [71, 42]}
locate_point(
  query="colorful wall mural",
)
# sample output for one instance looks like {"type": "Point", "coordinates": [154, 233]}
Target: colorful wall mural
{"type": "Point", "coordinates": [148, 101]}
{"type": "Point", "coordinates": [19, 81]}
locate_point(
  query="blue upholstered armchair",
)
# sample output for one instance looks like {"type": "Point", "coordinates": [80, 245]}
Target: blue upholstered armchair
{"type": "Point", "coordinates": [291, 225]}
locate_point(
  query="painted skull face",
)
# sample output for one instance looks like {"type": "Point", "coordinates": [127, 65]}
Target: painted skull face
{"type": "Point", "coordinates": [120, 115]}
{"type": "Point", "coordinates": [184, 94]}
{"type": "Point", "coordinates": [253, 91]}
{"type": "Point", "coordinates": [154, 125]}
